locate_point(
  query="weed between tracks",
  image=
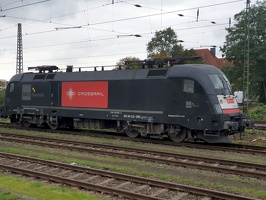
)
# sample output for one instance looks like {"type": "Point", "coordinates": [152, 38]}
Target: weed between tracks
{"type": "Point", "coordinates": [251, 137]}
{"type": "Point", "coordinates": [175, 174]}
{"type": "Point", "coordinates": [14, 188]}
{"type": "Point", "coordinates": [223, 182]}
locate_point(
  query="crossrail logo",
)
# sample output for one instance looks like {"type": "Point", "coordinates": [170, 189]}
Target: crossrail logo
{"type": "Point", "coordinates": [70, 93]}
{"type": "Point", "coordinates": [85, 94]}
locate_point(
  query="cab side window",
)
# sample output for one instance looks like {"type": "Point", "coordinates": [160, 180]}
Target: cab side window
{"type": "Point", "coordinates": [216, 81]}
{"type": "Point", "coordinates": [11, 87]}
{"type": "Point", "coordinates": [188, 85]}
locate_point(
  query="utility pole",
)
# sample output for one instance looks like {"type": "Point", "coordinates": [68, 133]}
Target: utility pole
{"type": "Point", "coordinates": [19, 65]}
{"type": "Point", "coordinates": [246, 62]}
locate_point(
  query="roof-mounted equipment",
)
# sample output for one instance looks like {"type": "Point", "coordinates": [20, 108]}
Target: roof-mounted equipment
{"type": "Point", "coordinates": [159, 63]}
{"type": "Point", "coordinates": [44, 68]}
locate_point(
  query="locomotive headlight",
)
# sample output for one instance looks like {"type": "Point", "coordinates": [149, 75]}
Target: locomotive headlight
{"type": "Point", "coordinates": [218, 108]}
{"type": "Point", "coordinates": [199, 119]}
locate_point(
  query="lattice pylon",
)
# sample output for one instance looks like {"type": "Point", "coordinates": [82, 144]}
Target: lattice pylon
{"type": "Point", "coordinates": [19, 65]}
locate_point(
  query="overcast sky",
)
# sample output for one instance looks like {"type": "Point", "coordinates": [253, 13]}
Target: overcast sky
{"type": "Point", "coordinates": [87, 33]}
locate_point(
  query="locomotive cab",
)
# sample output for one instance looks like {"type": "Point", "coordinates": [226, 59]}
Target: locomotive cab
{"type": "Point", "coordinates": [227, 115]}
{"type": "Point", "coordinates": [12, 102]}
{"type": "Point", "coordinates": [207, 108]}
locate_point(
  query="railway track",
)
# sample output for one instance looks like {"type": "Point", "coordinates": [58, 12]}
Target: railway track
{"type": "Point", "coordinates": [260, 125]}
{"type": "Point", "coordinates": [211, 164]}
{"type": "Point", "coordinates": [111, 183]}
{"type": "Point", "coordinates": [237, 148]}
{"type": "Point", "coordinates": [248, 149]}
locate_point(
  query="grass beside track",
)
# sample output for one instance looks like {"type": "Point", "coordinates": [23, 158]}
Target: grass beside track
{"type": "Point", "coordinates": [147, 146]}
{"type": "Point", "coordinates": [125, 166]}
{"type": "Point", "coordinates": [15, 188]}
{"type": "Point", "coordinates": [253, 187]}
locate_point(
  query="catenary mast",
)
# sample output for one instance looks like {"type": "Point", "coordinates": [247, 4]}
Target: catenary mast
{"type": "Point", "coordinates": [246, 61]}
{"type": "Point", "coordinates": [19, 65]}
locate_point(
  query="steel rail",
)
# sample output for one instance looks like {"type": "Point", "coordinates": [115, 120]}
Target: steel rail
{"type": "Point", "coordinates": [139, 155]}
{"type": "Point", "coordinates": [248, 149]}
{"type": "Point", "coordinates": [141, 151]}
{"type": "Point", "coordinates": [229, 148]}
{"type": "Point", "coordinates": [110, 190]}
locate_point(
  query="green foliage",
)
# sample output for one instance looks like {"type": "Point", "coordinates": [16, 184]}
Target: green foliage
{"type": "Point", "coordinates": [190, 53]}
{"type": "Point", "coordinates": [164, 44]}
{"type": "Point", "coordinates": [258, 112]}
{"type": "Point", "coordinates": [3, 120]}
{"type": "Point", "coordinates": [234, 75]}
{"type": "Point", "coordinates": [235, 47]}
{"type": "Point", "coordinates": [17, 188]}
{"type": "Point", "coordinates": [133, 65]}
{"type": "Point", "coordinates": [9, 196]}
{"type": "Point", "coordinates": [2, 97]}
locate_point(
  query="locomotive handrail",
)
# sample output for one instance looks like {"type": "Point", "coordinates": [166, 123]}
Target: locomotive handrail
{"type": "Point", "coordinates": [164, 61]}
{"type": "Point", "coordinates": [43, 68]}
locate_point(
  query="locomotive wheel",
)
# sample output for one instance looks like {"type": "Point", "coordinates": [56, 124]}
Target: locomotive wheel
{"type": "Point", "coordinates": [132, 133]}
{"type": "Point", "coordinates": [178, 136]}
{"type": "Point", "coordinates": [26, 124]}
{"type": "Point", "coordinates": [53, 126]}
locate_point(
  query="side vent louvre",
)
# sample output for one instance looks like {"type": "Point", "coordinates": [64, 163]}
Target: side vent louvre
{"type": "Point", "coordinates": [50, 76]}
{"type": "Point", "coordinates": [157, 73]}
{"type": "Point", "coordinates": [39, 76]}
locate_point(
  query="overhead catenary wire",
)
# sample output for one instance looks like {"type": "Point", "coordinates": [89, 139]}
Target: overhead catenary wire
{"type": "Point", "coordinates": [102, 38]}
{"type": "Point", "coordinates": [74, 42]}
{"type": "Point", "coordinates": [94, 26]}
{"type": "Point", "coordinates": [108, 22]}
{"type": "Point", "coordinates": [30, 4]}
{"type": "Point", "coordinates": [132, 18]}
{"type": "Point", "coordinates": [1, 6]}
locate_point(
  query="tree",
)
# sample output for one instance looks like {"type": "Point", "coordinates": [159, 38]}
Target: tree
{"type": "Point", "coordinates": [235, 46]}
{"type": "Point", "coordinates": [164, 44]}
{"type": "Point", "coordinates": [134, 65]}
{"type": "Point", "coordinates": [233, 74]}
{"type": "Point", "coordinates": [162, 48]}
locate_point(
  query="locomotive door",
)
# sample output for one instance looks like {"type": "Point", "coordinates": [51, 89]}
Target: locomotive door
{"type": "Point", "coordinates": [54, 97]}
{"type": "Point", "coordinates": [13, 91]}
{"type": "Point", "coordinates": [189, 102]}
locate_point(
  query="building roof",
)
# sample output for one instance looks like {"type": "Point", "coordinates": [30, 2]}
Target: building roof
{"type": "Point", "coordinates": [209, 58]}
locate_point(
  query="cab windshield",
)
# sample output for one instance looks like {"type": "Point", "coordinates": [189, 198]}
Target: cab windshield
{"type": "Point", "coordinates": [221, 84]}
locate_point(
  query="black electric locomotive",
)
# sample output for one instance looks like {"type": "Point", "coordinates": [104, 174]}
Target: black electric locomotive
{"type": "Point", "coordinates": [183, 102]}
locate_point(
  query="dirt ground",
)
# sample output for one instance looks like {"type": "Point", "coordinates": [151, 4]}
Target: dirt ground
{"type": "Point", "coordinates": [250, 139]}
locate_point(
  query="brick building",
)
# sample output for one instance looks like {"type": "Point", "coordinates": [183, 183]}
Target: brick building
{"type": "Point", "coordinates": [209, 57]}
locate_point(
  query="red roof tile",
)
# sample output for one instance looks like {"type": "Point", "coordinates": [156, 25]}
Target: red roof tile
{"type": "Point", "coordinates": [210, 59]}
